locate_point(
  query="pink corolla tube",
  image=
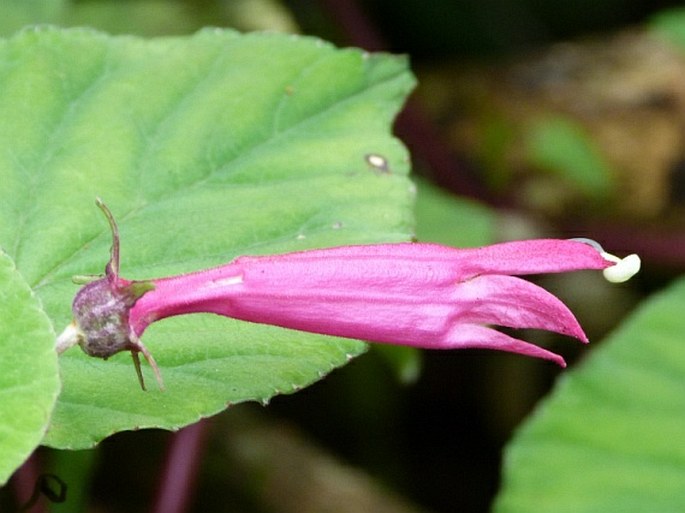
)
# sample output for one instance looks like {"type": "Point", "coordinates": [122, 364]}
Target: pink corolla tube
{"type": "Point", "coordinates": [421, 295]}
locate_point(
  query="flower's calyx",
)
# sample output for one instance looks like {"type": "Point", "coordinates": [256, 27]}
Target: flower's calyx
{"type": "Point", "coordinates": [101, 313]}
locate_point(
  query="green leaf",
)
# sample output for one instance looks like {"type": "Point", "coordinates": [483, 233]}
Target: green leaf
{"type": "Point", "coordinates": [15, 14]}
{"type": "Point", "coordinates": [78, 470]}
{"type": "Point", "coordinates": [562, 146]}
{"type": "Point", "coordinates": [404, 361]}
{"type": "Point", "coordinates": [204, 148]}
{"type": "Point", "coordinates": [140, 17]}
{"type": "Point", "coordinates": [29, 382]}
{"type": "Point", "coordinates": [670, 25]}
{"type": "Point", "coordinates": [167, 17]}
{"type": "Point", "coordinates": [147, 17]}
{"type": "Point", "coordinates": [448, 219]}
{"type": "Point", "coordinates": [610, 439]}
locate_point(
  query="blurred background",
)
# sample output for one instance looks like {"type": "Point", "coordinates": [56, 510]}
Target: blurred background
{"type": "Point", "coordinates": [531, 119]}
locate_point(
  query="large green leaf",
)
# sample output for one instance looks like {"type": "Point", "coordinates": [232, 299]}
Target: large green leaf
{"type": "Point", "coordinates": [205, 148]}
{"type": "Point", "coordinates": [28, 369]}
{"type": "Point", "coordinates": [15, 14]}
{"type": "Point", "coordinates": [612, 437]}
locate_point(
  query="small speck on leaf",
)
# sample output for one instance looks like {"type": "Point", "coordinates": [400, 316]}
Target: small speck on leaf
{"type": "Point", "coordinates": [378, 163]}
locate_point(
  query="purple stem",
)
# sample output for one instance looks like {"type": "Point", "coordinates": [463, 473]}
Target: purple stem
{"type": "Point", "coordinates": [24, 482]}
{"type": "Point", "coordinates": [355, 24]}
{"type": "Point", "coordinates": [427, 144]}
{"type": "Point", "coordinates": [179, 478]}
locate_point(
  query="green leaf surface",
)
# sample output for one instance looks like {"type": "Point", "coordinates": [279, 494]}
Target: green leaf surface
{"type": "Point", "coordinates": [78, 470]}
{"type": "Point", "coordinates": [147, 17]}
{"type": "Point", "coordinates": [177, 17]}
{"type": "Point", "coordinates": [15, 14]}
{"type": "Point", "coordinates": [669, 24]}
{"type": "Point", "coordinates": [28, 369]}
{"type": "Point", "coordinates": [204, 148]}
{"type": "Point", "coordinates": [140, 17]}
{"type": "Point", "coordinates": [444, 218]}
{"type": "Point", "coordinates": [611, 439]}
{"type": "Point", "coordinates": [562, 146]}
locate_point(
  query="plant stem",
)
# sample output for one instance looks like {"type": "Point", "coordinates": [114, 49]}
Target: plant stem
{"type": "Point", "coordinates": [24, 484]}
{"type": "Point", "coordinates": [179, 476]}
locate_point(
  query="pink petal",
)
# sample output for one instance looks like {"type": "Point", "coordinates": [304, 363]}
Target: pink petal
{"type": "Point", "coordinates": [379, 306]}
{"type": "Point", "coordinates": [533, 257]}
{"type": "Point", "coordinates": [406, 294]}
{"type": "Point", "coordinates": [433, 261]}
{"type": "Point", "coordinates": [480, 337]}
{"type": "Point", "coordinates": [515, 303]}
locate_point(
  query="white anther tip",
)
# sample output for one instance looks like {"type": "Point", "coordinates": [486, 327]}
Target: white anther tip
{"type": "Point", "coordinates": [623, 269]}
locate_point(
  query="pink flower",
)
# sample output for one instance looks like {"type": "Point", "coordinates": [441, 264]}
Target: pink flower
{"type": "Point", "coordinates": [420, 295]}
